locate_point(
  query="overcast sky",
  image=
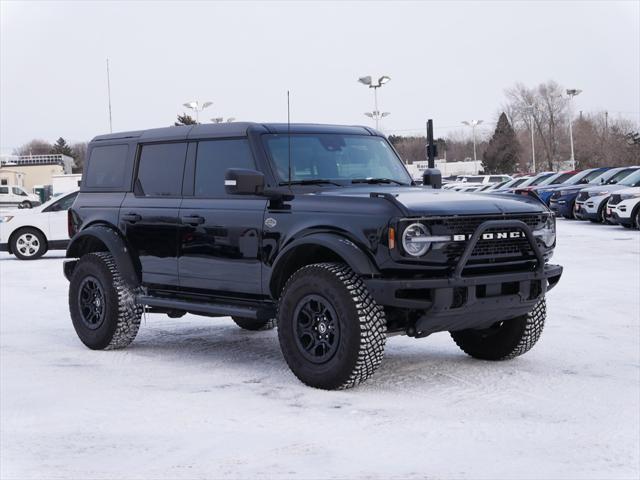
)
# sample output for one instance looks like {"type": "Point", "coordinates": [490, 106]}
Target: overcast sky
{"type": "Point", "coordinates": [449, 61]}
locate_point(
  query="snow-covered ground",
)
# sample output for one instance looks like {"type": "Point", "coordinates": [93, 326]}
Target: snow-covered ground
{"type": "Point", "coordinates": [200, 398]}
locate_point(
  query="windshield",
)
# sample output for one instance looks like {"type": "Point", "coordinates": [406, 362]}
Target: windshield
{"type": "Point", "coordinates": [604, 176]}
{"type": "Point", "coordinates": [536, 180]}
{"type": "Point", "coordinates": [556, 178]}
{"type": "Point", "coordinates": [335, 158]}
{"type": "Point", "coordinates": [583, 177]}
{"type": "Point", "coordinates": [633, 180]}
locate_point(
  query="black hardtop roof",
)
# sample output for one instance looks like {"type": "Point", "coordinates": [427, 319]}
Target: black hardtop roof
{"type": "Point", "coordinates": [233, 129]}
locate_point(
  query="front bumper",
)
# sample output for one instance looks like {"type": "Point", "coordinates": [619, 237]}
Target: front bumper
{"type": "Point", "coordinates": [458, 302]}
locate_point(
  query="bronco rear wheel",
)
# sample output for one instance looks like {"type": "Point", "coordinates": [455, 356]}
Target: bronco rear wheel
{"type": "Point", "coordinates": [504, 340]}
{"type": "Point", "coordinates": [102, 305]}
{"type": "Point", "coordinates": [331, 331]}
{"type": "Point", "coordinates": [253, 324]}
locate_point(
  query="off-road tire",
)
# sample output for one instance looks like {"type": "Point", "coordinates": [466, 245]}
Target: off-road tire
{"type": "Point", "coordinates": [121, 317]}
{"type": "Point", "coordinates": [361, 320]}
{"type": "Point", "coordinates": [253, 324]}
{"type": "Point", "coordinates": [26, 232]}
{"type": "Point", "coordinates": [506, 340]}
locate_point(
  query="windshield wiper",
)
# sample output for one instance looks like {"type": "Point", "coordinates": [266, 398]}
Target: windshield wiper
{"type": "Point", "coordinates": [377, 180]}
{"type": "Point", "coordinates": [310, 181]}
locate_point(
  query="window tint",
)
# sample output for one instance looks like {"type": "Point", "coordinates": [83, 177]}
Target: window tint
{"type": "Point", "coordinates": [160, 170]}
{"type": "Point", "coordinates": [4, 190]}
{"type": "Point", "coordinates": [18, 191]}
{"type": "Point", "coordinates": [212, 161]}
{"type": "Point", "coordinates": [63, 204]}
{"type": "Point", "coordinates": [107, 166]}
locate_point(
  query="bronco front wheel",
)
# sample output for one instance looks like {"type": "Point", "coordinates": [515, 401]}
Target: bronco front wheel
{"type": "Point", "coordinates": [504, 340]}
{"type": "Point", "coordinates": [331, 331]}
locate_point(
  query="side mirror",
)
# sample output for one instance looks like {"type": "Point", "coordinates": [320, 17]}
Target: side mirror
{"type": "Point", "coordinates": [432, 177]}
{"type": "Point", "coordinates": [240, 181]}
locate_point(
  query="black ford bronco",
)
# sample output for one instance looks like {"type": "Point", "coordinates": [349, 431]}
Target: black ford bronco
{"type": "Point", "coordinates": [317, 229]}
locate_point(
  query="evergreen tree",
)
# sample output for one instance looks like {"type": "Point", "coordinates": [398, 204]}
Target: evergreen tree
{"type": "Point", "coordinates": [185, 119]}
{"type": "Point", "coordinates": [61, 147]}
{"type": "Point", "coordinates": [503, 152]}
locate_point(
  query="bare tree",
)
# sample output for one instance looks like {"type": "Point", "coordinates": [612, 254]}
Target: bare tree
{"type": "Point", "coordinates": [34, 147]}
{"type": "Point", "coordinates": [548, 114]}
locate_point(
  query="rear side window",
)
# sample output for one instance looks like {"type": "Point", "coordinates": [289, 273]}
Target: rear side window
{"type": "Point", "coordinates": [4, 190]}
{"type": "Point", "coordinates": [160, 170]}
{"type": "Point", "coordinates": [107, 166]}
{"type": "Point", "coordinates": [212, 161]}
{"type": "Point", "coordinates": [495, 179]}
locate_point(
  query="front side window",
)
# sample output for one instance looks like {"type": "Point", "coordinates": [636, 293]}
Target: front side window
{"type": "Point", "coordinates": [334, 157]}
{"type": "Point", "coordinates": [18, 191]}
{"type": "Point", "coordinates": [160, 170]}
{"type": "Point", "coordinates": [63, 204]}
{"type": "Point", "coordinates": [213, 159]}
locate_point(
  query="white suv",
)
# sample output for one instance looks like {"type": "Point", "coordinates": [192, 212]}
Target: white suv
{"type": "Point", "coordinates": [15, 196]}
{"type": "Point", "coordinates": [28, 234]}
{"type": "Point", "coordinates": [625, 207]}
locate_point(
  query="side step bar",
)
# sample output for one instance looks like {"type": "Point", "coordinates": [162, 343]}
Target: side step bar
{"type": "Point", "coordinates": [265, 312]}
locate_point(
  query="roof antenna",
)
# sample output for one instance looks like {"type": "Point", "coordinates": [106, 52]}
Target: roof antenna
{"type": "Point", "coordinates": [289, 134]}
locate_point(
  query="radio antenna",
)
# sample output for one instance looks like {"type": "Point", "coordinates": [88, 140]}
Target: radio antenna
{"type": "Point", "coordinates": [289, 135]}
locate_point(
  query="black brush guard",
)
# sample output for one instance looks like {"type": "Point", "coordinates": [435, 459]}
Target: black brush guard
{"type": "Point", "coordinates": [459, 302]}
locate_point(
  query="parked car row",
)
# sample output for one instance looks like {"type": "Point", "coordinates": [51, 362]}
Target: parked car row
{"type": "Point", "coordinates": [603, 195]}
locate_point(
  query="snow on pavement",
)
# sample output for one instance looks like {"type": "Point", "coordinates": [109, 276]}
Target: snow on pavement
{"type": "Point", "coordinates": [199, 398]}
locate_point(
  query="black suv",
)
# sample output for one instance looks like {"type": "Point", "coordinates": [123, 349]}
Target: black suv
{"type": "Point", "coordinates": [317, 229]}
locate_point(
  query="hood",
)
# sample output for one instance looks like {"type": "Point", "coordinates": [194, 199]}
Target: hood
{"type": "Point", "coordinates": [420, 201]}
{"type": "Point", "coordinates": [604, 188]}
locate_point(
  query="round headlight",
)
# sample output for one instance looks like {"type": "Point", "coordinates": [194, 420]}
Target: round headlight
{"type": "Point", "coordinates": [548, 232]}
{"type": "Point", "coordinates": [415, 240]}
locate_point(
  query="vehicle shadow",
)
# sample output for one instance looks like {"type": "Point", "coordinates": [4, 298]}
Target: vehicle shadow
{"type": "Point", "coordinates": [257, 355]}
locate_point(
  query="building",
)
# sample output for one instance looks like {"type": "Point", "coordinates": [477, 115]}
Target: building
{"type": "Point", "coordinates": [29, 171]}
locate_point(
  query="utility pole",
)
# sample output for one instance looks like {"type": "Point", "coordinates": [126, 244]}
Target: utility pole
{"type": "Point", "coordinates": [572, 93]}
{"type": "Point", "coordinates": [109, 94]}
{"type": "Point", "coordinates": [473, 124]}
{"type": "Point", "coordinates": [530, 109]}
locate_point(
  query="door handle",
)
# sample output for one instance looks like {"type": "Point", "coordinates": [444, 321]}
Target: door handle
{"type": "Point", "coordinates": [193, 220]}
{"type": "Point", "coordinates": [131, 217]}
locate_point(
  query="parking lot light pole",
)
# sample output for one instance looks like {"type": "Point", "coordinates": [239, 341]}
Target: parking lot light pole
{"type": "Point", "coordinates": [531, 109]}
{"type": "Point", "coordinates": [473, 124]}
{"type": "Point", "coordinates": [368, 80]}
{"type": "Point", "coordinates": [195, 106]}
{"type": "Point", "coordinates": [572, 92]}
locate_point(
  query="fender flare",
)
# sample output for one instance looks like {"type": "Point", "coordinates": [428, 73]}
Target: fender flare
{"type": "Point", "coordinates": [113, 242]}
{"type": "Point", "coordinates": [351, 253]}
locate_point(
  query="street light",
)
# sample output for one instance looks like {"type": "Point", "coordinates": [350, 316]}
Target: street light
{"type": "Point", "coordinates": [473, 124]}
{"type": "Point", "coordinates": [194, 105]}
{"type": "Point", "coordinates": [572, 92]}
{"type": "Point", "coordinates": [368, 80]}
{"type": "Point", "coordinates": [221, 119]}
{"type": "Point", "coordinates": [531, 109]}
{"type": "Point", "coordinates": [377, 115]}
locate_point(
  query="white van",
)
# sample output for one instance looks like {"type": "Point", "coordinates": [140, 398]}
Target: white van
{"type": "Point", "coordinates": [15, 196]}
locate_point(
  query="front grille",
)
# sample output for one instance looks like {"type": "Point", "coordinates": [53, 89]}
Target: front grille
{"type": "Point", "coordinates": [486, 251]}
{"type": "Point", "coordinates": [615, 199]}
{"type": "Point", "coordinates": [582, 196]}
